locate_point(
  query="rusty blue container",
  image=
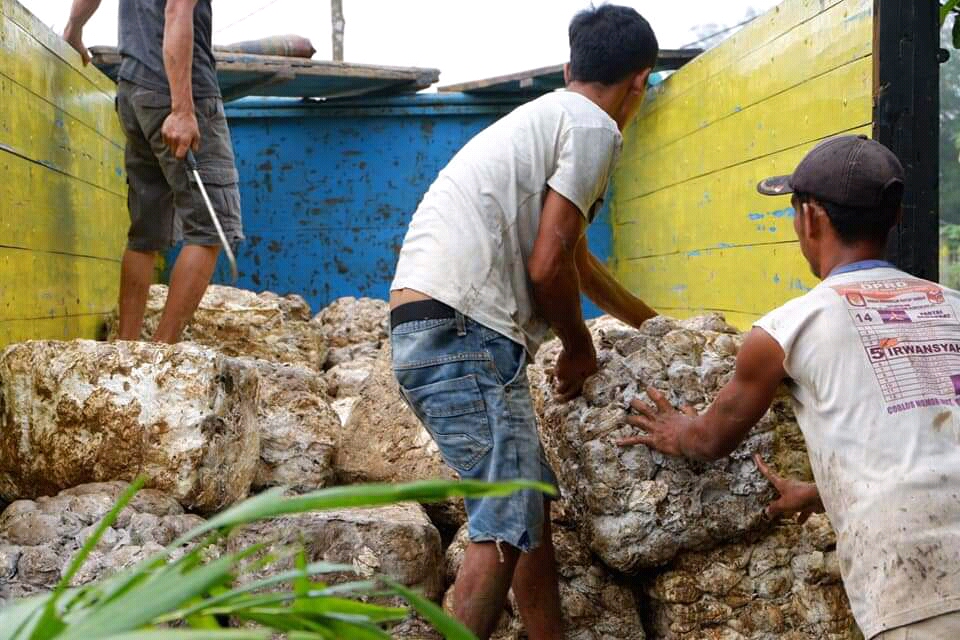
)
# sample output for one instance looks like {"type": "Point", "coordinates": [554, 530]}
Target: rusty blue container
{"type": "Point", "coordinates": [328, 188]}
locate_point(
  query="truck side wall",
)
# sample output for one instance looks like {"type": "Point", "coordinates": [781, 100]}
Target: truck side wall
{"type": "Point", "coordinates": [63, 213]}
{"type": "Point", "coordinates": [690, 232]}
{"type": "Point", "coordinates": [328, 192]}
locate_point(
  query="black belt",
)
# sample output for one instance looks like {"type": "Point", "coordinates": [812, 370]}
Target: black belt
{"type": "Point", "coordinates": [421, 310]}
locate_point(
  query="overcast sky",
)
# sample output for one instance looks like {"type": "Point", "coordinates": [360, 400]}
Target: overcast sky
{"type": "Point", "coordinates": [465, 40]}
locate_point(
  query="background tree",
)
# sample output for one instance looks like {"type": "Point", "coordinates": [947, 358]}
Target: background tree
{"type": "Point", "coordinates": [338, 23]}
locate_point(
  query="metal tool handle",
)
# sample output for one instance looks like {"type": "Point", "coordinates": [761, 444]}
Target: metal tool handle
{"type": "Point", "coordinates": [191, 161]}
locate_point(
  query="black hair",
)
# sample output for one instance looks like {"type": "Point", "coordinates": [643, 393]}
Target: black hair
{"type": "Point", "coordinates": [609, 43]}
{"type": "Point", "coordinates": [861, 224]}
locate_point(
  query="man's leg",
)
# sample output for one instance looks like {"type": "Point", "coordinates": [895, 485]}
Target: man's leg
{"type": "Point", "coordinates": [136, 276]}
{"type": "Point", "coordinates": [536, 587]}
{"type": "Point", "coordinates": [492, 407]}
{"type": "Point", "coordinates": [150, 202]}
{"type": "Point", "coordinates": [480, 592]}
{"type": "Point", "coordinates": [188, 282]}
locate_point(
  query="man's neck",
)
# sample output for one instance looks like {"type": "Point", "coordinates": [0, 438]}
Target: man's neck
{"type": "Point", "coordinates": [850, 254]}
{"type": "Point", "coordinates": [608, 98]}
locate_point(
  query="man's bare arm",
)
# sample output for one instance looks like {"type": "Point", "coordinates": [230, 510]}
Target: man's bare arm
{"type": "Point", "coordinates": [599, 285]}
{"type": "Point", "coordinates": [738, 407]}
{"type": "Point", "coordinates": [553, 273]}
{"type": "Point", "coordinates": [180, 130]}
{"type": "Point", "coordinates": [80, 14]}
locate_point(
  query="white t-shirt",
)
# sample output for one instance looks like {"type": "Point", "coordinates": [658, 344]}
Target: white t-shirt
{"type": "Point", "coordinates": [874, 359]}
{"type": "Point", "coordinates": [471, 237]}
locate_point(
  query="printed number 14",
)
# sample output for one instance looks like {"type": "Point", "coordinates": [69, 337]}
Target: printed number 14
{"type": "Point", "coordinates": [865, 317]}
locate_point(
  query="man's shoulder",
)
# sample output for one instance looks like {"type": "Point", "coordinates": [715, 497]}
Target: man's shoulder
{"type": "Point", "coordinates": [570, 109]}
{"type": "Point", "coordinates": [798, 310]}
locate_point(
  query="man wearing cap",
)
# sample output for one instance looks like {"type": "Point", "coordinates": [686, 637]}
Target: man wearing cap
{"type": "Point", "coordinates": [871, 357]}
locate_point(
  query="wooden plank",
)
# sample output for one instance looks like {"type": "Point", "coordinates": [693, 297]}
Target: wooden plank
{"type": "Point", "coordinates": [847, 27]}
{"type": "Point", "coordinates": [312, 78]}
{"type": "Point", "coordinates": [748, 280]}
{"type": "Point", "coordinates": [63, 191]}
{"type": "Point", "coordinates": [70, 89]}
{"type": "Point", "coordinates": [510, 81]}
{"type": "Point", "coordinates": [55, 45]}
{"type": "Point", "coordinates": [44, 210]}
{"type": "Point", "coordinates": [766, 28]}
{"type": "Point", "coordinates": [52, 285]}
{"type": "Point", "coordinates": [837, 101]}
{"type": "Point", "coordinates": [548, 78]}
{"type": "Point", "coordinates": [62, 328]}
{"type": "Point", "coordinates": [721, 209]}
{"type": "Point", "coordinates": [907, 121]}
{"type": "Point", "coordinates": [33, 128]}
{"type": "Point", "coordinates": [259, 83]}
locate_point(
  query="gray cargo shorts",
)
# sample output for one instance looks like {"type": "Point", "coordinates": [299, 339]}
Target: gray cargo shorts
{"type": "Point", "coordinates": [165, 206]}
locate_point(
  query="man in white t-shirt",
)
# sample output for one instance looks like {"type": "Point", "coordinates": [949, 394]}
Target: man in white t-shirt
{"type": "Point", "coordinates": [495, 257]}
{"type": "Point", "coordinates": [871, 357]}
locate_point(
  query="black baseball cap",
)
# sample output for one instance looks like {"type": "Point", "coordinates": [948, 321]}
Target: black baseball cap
{"type": "Point", "coordinates": [850, 171]}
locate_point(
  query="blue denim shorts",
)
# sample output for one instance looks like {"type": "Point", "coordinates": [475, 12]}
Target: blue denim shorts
{"type": "Point", "coordinates": [468, 385]}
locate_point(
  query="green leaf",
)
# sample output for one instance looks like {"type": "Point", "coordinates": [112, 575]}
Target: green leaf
{"type": "Point", "coordinates": [164, 591]}
{"type": "Point", "coordinates": [450, 628]}
{"type": "Point", "coordinates": [201, 621]}
{"type": "Point", "coordinates": [946, 8]}
{"type": "Point", "coordinates": [361, 587]}
{"type": "Point", "coordinates": [355, 631]}
{"type": "Point", "coordinates": [311, 635]}
{"type": "Point", "coordinates": [226, 599]}
{"type": "Point", "coordinates": [92, 541]}
{"type": "Point", "coordinates": [280, 620]}
{"type": "Point", "coordinates": [301, 584]}
{"type": "Point", "coordinates": [49, 625]}
{"type": "Point", "coordinates": [272, 503]}
{"type": "Point", "coordinates": [344, 607]}
{"type": "Point", "coordinates": [183, 634]}
{"type": "Point", "coordinates": [20, 618]}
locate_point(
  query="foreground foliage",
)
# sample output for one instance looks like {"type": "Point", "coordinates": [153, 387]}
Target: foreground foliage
{"type": "Point", "coordinates": [187, 591]}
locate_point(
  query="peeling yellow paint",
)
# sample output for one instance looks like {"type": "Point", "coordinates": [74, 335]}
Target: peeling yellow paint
{"type": "Point", "coordinates": [690, 232]}
{"type": "Point", "coordinates": [63, 216]}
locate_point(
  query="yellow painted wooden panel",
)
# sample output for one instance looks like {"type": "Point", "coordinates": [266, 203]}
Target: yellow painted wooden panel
{"type": "Point", "coordinates": [829, 40]}
{"type": "Point", "coordinates": [16, 14]}
{"type": "Point", "coordinates": [48, 211]}
{"type": "Point", "coordinates": [34, 128]}
{"type": "Point", "coordinates": [77, 91]}
{"type": "Point", "coordinates": [61, 328]}
{"type": "Point", "coordinates": [719, 210]}
{"type": "Point", "coordinates": [749, 281]}
{"type": "Point", "coordinates": [836, 101]}
{"type": "Point", "coordinates": [63, 217]}
{"type": "Point", "coordinates": [47, 285]}
{"type": "Point", "coordinates": [764, 29]}
{"type": "Point", "coordinates": [690, 232]}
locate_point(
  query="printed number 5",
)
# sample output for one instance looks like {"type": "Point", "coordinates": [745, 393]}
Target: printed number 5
{"type": "Point", "coordinates": [876, 353]}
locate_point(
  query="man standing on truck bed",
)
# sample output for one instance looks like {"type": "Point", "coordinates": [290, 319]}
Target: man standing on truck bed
{"type": "Point", "coordinates": [166, 94]}
{"type": "Point", "coordinates": [495, 256]}
{"type": "Point", "coordinates": [871, 357]}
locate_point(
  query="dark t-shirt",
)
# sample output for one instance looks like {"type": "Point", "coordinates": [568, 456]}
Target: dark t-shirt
{"type": "Point", "coordinates": [141, 47]}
